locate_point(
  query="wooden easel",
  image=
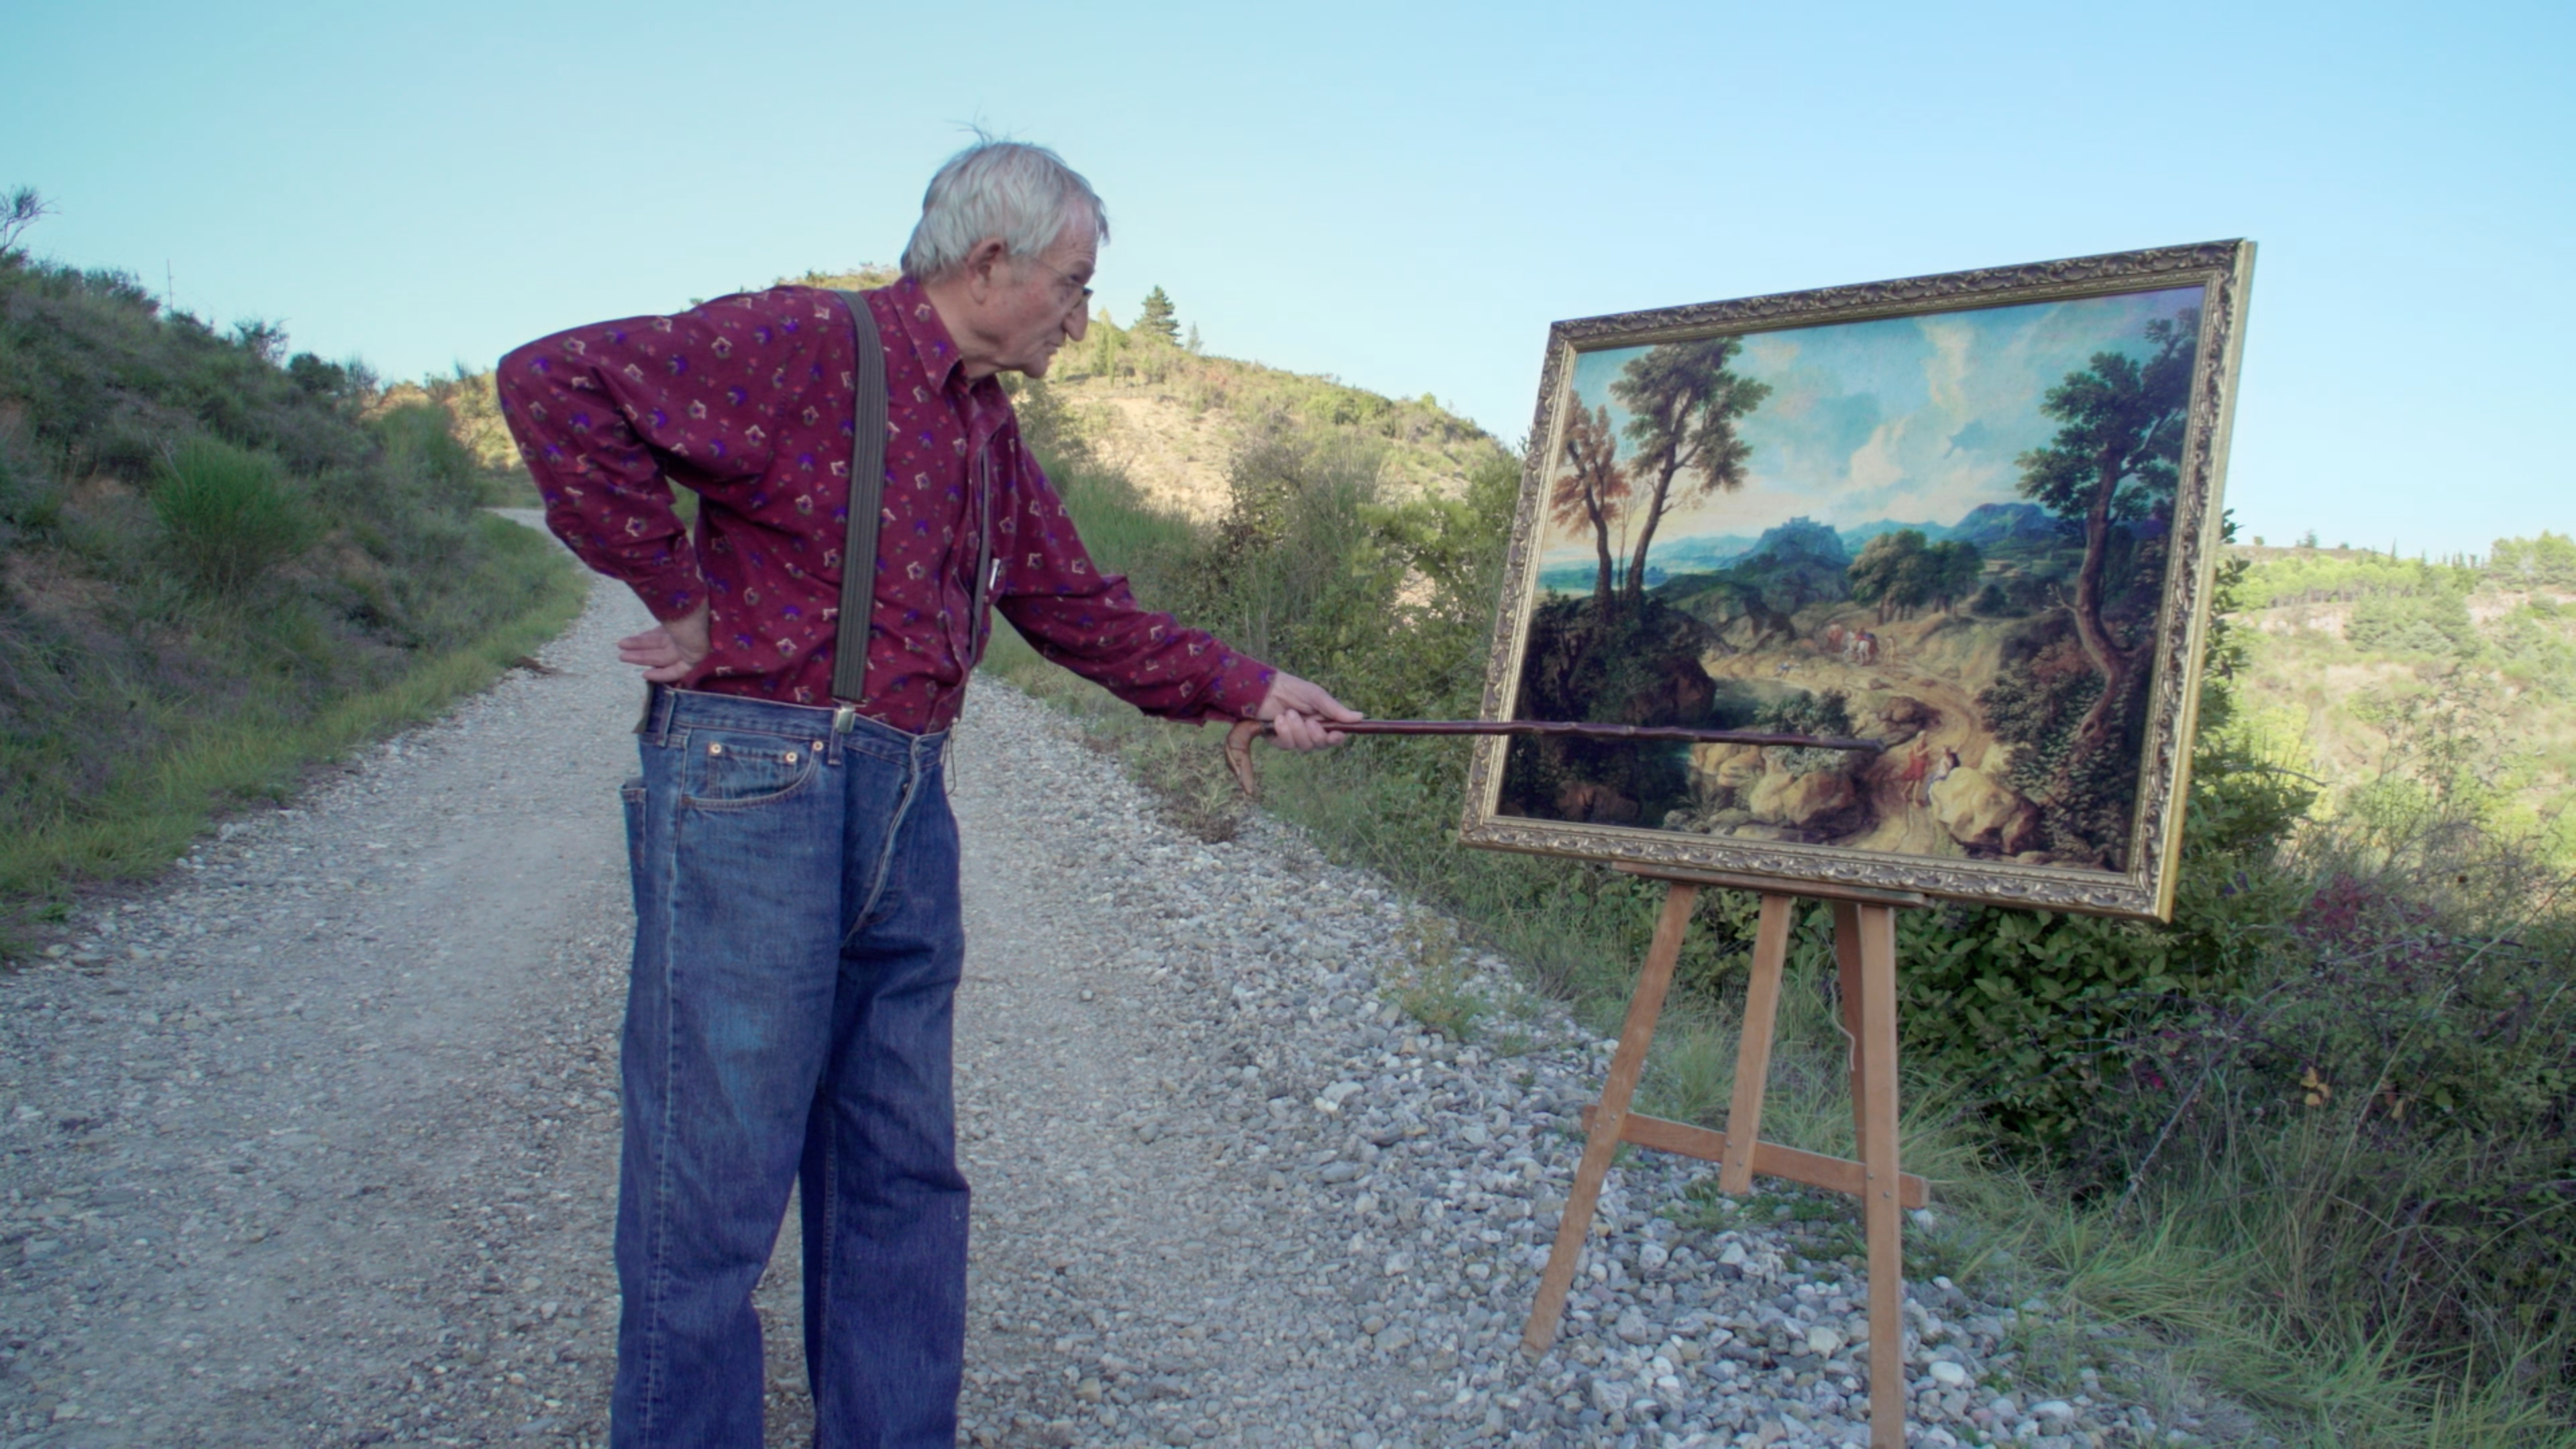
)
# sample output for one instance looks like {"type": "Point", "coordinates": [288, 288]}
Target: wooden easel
{"type": "Point", "coordinates": [1865, 951]}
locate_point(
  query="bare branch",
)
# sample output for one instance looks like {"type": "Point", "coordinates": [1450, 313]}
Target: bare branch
{"type": "Point", "coordinates": [23, 208]}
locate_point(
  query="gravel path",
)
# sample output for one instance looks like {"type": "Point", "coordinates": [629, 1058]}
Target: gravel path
{"type": "Point", "coordinates": [314, 1143]}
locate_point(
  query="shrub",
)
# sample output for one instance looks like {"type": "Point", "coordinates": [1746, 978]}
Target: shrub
{"type": "Point", "coordinates": [2431, 620]}
{"type": "Point", "coordinates": [422, 448]}
{"type": "Point", "coordinates": [226, 518]}
{"type": "Point", "coordinates": [2546, 562]}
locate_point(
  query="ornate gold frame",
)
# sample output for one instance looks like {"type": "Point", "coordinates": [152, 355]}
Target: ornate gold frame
{"type": "Point", "coordinates": [2224, 270]}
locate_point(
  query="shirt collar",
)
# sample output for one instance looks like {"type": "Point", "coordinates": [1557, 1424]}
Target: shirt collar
{"type": "Point", "coordinates": [928, 336]}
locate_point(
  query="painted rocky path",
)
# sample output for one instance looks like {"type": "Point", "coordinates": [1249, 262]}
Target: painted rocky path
{"type": "Point", "coordinates": [314, 1142]}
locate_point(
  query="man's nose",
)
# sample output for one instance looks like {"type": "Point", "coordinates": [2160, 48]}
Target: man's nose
{"type": "Point", "coordinates": [1077, 323]}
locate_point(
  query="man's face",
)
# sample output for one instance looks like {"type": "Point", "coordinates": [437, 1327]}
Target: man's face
{"type": "Point", "coordinates": [1039, 303]}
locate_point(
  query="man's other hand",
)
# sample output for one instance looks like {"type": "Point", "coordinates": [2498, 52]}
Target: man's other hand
{"type": "Point", "coordinates": [1300, 713]}
{"type": "Point", "coordinates": [670, 650]}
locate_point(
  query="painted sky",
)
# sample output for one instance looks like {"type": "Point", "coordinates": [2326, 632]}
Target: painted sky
{"type": "Point", "coordinates": [1915, 419]}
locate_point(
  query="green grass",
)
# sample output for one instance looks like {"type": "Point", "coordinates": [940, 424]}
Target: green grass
{"type": "Point", "coordinates": [227, 520]}
{"type": "Point", "coordinates": [150, 809]}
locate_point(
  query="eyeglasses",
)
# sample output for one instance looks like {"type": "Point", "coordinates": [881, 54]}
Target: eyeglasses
{"type": "Point", "coordinates": [1078, 293]}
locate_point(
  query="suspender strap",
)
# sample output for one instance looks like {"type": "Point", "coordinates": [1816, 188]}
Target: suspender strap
{"type": "Point", "coordinates": [983, 561]}
{"type": "Point", "coordinates": [867, 500]}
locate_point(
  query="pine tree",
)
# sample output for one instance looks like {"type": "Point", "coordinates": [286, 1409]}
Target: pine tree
{"type": "Point", "coordinates": [1157, 318]}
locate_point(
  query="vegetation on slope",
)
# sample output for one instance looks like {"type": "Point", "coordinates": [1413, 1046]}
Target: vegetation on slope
{"type": "Point", "coordinates": [219, 561]}
{"type": "Point", "coordinates": [2407, 688]}
{"type": "Point", "coordinates": [1173, 418]}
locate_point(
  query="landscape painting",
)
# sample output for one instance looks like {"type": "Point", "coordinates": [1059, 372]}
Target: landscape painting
{"type": "Point", "coordinates": [1973, 536]}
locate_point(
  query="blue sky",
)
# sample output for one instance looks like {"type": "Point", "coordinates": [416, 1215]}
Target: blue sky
{"type": "Point", "coordinates": [1402, 196]}
{"type": "Point", "coordinates": [1914, 419]}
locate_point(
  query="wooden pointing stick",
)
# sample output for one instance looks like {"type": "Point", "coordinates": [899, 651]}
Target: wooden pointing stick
{"type": "Point", "coordinates": [1238, 740]}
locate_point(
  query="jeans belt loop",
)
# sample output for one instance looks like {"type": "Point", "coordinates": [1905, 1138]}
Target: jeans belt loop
{"type": "Point", "coordinates": [655, 725]}
{"type": "Point", "coordinates": [844, 718]}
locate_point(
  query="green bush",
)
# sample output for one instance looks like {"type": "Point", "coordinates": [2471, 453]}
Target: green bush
{"type": "Point", "coordinates": [2312, 578]}
{"type": "Point", "coordinates": [227, 520]}
{"type": "Point", "coordinates": [2429, 620]}
{"type": "Point", "coordinates": [421, 444]}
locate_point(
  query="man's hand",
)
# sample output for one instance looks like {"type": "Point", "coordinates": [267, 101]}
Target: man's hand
{"type": "Point", "coordinates": [670, 650]}
{"type": "Point", "coordinates": [1299, 712]}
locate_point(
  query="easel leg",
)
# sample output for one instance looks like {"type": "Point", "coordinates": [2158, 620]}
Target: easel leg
{"type": "Point", "coordinates": [1626, 1065]}
{"type": "Point", "coordinates": [1753, 1057]}
{"type": "Point", "coordinates": [1847, 987]}
{"type": "Point", "coordinates": [1876, 1054]}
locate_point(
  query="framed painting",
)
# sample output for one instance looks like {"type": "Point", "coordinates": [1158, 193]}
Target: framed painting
{"type": "Point", "coordinates": [1970, 518]}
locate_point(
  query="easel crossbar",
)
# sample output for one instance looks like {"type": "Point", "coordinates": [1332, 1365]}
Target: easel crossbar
{"type": "Point", "coordinates": [1834, 1174]}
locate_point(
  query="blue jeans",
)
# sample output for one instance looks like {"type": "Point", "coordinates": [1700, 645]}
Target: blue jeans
{"type": "Point", "coordinates": [797, 951]}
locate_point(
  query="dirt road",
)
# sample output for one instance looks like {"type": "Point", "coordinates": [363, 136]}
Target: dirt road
{"type": "Point", "coordinates": [315, 1143]}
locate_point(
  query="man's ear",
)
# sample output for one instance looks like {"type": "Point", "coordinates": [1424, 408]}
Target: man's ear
{"type": "Point", "coordinates": [981, 259]}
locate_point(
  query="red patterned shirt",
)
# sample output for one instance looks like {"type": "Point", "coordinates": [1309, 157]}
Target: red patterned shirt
{"type": "Point", "coordinates": [746, 401]}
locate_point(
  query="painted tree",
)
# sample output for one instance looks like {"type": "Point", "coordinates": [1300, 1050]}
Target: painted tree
{"type": "Point", "coordinates": [2116, 460]}
{"type": "Point", "coordinates": [1891, 574]}
{"type": "Point", "coordinates": [1683, 403]}
{"type": "Point", "coordinates": [1157, 317]}
{"type": "Point", "coordinates": [1954, 566]}
{"type": "Point", "coordinates": [1592, 490]}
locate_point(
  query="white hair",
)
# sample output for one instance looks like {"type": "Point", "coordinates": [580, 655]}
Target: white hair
{"type": "Point", "coordinates": [1023, 194]}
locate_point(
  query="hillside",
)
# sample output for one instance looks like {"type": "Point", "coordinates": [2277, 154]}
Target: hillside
{"type": "Point", "coordinates": [2387, 678]}
{"type": "Point", "coordinates": [219, 561]}
{"type": "Point", "coordinates": [1173, 418]}
{"type": "Point", "coordinates": [1169, 417]}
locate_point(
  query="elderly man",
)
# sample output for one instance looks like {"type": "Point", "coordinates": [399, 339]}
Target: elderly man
{"type": "Point", "coordinates": [798, 942]}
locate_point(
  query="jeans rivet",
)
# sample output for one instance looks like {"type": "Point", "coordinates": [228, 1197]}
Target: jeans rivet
{"type": "Point", "coordinates": [791, 757]}
{"type": "Point", "coordinates": [715, 749]}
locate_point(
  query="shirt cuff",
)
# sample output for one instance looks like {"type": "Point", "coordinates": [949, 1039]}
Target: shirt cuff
{"type": "Point", "coordinates": [1241, 684]}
